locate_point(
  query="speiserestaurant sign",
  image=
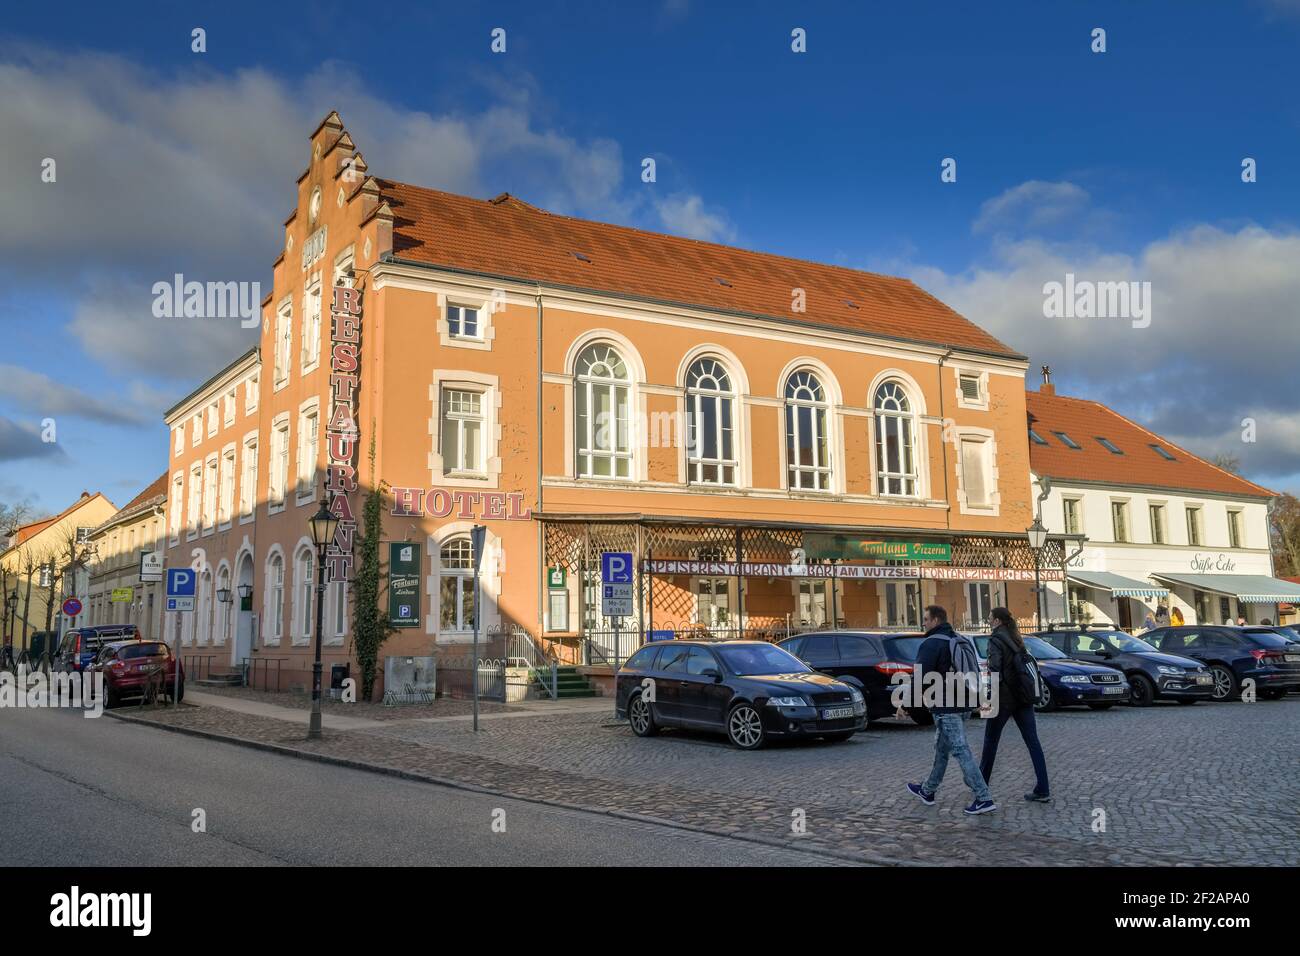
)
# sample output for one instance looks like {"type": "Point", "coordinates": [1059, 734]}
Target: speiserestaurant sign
{"type": "Point", "coordinates": [341, 432]}
{"type": "Point", "coordinates": [861, 572]}
{"type": "Point", "coordinates": [817, 544]}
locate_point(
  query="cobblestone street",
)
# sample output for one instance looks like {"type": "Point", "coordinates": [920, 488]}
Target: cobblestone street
{"type": "Point", "coordinates": [1212, 784]}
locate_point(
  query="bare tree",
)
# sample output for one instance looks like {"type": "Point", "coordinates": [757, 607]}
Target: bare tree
{"type": "Point", "coordinates": [1227, 461]}
{"type": "Point", "coordinates": [1284, 522]}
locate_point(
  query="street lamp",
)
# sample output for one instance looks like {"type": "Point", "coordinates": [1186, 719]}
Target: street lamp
{"type": "Point", "coordinates": [223, 595]}
{"type": "Point", "coordinates": [1037, 539]}
{"type": "Point", "coordinates": [323, 525]}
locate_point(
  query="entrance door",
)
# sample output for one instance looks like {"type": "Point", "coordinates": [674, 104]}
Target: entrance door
{"type": "Point", "coordinates": [814, 603]}
{"type": "Point", "coordinates": [1125, 613]}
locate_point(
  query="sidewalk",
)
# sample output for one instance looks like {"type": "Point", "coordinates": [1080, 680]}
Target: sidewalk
{"type": "Point", "coordinates": [332, 721]}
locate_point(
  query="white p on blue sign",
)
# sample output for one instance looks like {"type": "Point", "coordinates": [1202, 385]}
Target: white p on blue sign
{"type": "Point", "coordinates": [180, 589]}
{"type": "Point", "coordinates": [616, 584]}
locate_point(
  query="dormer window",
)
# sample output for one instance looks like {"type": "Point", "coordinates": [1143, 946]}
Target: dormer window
{"type": "Point", "coordinates": [1107, 444]}
{"type": "Point", "coordinates": [1066, 440]}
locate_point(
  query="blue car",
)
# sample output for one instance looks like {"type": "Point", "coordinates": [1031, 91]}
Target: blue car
{"type": "Point", "coordinates": [1067, 682]}
{"type": "Point", "coordinates": [1151, 675]}
{"type": "Point", "coordinates": [1234, 655]}
{"type": "Point", "coordinates": [81, 645]}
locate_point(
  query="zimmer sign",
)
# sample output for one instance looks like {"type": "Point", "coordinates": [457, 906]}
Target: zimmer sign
{"type": "Point", "coordinates": [341, 432]}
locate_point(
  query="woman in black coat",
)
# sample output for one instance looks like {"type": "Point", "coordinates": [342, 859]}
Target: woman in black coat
{"type": "Point", "coordinates": [1004, 645]}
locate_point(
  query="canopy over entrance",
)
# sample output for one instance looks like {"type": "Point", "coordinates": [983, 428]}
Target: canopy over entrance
{"type": "Point", "coordinates": [1246, 588]}
{"type": "Point", "coordinates": [1117, 584]}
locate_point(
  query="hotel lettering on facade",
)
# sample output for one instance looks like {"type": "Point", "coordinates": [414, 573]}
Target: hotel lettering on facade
{"type": "Point", "coordinates": [782, 445]}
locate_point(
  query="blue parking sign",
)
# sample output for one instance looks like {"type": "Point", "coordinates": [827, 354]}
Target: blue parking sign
{"type": "Point", "coordinates": [180, 589]}
{"type": "Point", "coordinates": [616, 567]}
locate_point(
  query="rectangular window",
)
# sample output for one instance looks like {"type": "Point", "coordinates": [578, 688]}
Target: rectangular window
{"type": "Point", "coordinates": [248, 483]}
{"type": "Point", "coordinates": [713, 602]}
{"type": "Point", "coordinates": [1119, 520]}
{"type": "Point", "coordinates": [343, 274]}
{"type": "Point", "coordinates": [1036, 438]}
{"type": "Point", "coordinates": [1234, 529]}
{"type": "Point", "coordinates": [177, 503]}
{"type": "Point", "coordinates": [196, 430]}
{"type": "Point", "coordinates": [228, 408]}
{"type": "Point", "coordinates": [212, 419]}
{"type": "Point", "coordinates": [279, 474]}
{"type": "Point", "coordinates": [975, 471]}
{"type": "Point", "coordinates": [902, 604]}
{"type": "Point", "coordinates": [250, 394]}
{"type": "Point", "coordinates": [1073, 515]}
{"type": "Point", "coordinates": [308, 445]}
{"type": "Point", "coordinates": [210, 486]}
{"type": "Point", "coordinates": [1163, 453]}
{"type": "Point", "coordinates": [462, 322]}
{"type": "Point", "coordinates": [311, 317]}
{"type": "Point", "coordinates": [1157, 516]}
{"type": "Point", "coordinates": [1194, 527]}
{"type": "Point", "coordinates": [557, 604]}
{"type": "Point", "coordinates": [979, 602]}
{"type": "Point", "coordinates": [1107, 444]}
{"type": "Point", "coordinates": [604, 429]}
{"type": "Point", "coordinates": [196, 500]}
{"type": "Point", "coordinates": [462, 432]}
{"type": "Point", "coordinates": [970, 388]}
{"type": "Point", "coordinates": [178, 439]}
{"type": "Point", "coordinates": [1066, 440]}
{"type": "Point", "coordinates": [283, 342]}
{"type": "Point", "coordinates": [814, 603]}
{"type": "Point", "coordinates": [227, 486]}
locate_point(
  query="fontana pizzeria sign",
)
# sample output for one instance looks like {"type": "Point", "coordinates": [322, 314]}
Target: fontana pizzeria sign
{"type": "Point", "coordinates": [341, 433]}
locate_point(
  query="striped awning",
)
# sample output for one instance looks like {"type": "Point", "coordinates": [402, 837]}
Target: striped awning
{"type": "Point", "coordinates": [1246, 588]}
{"type": "Point", "coordinates": [1117, 584]}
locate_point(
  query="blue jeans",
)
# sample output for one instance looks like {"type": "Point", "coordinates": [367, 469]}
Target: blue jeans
{"type": "Point", "coordinates": [1024, 716]}
{"type": "Point", "coordinates": [950, 741]}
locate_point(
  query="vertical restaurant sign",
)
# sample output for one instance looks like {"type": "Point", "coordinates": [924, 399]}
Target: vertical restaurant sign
{"type": "Point", "coordinates": [341, 434]}
{"type": "Point", "coordinates": [403, 583]}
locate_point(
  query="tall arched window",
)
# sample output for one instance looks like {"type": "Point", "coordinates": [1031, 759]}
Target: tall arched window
{"type": "Point", "coordinates": [807, 449]}
{"type": "Point", "coordinates": [604, 438]}
{"type": "Point", "coordinates": [275, 598]}
{"type": "Point", "coordinates": [304, 586]}
{"type": "Point", "coordinates": [456, 586]}
{"type": "Point", "coordinates": [204, 632]}
{"type": "Point", "coordinates": [710, 441]}
{"type": "Point", "coordinates": [223, 607]}
{"type": "Point", "coordinates": [895, 441]}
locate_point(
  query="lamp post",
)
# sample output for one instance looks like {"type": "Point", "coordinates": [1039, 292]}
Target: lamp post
{"type": "Point", "coordinates": [323, 524]}
{"type": "Point", "coordinates": [1037, 539]}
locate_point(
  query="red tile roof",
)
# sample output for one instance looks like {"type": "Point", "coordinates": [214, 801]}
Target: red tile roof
{"type": "Point", "coordinates": [1085, 421]}
{"type": "Point", "coordinates": [28, 531]}
{"type": "Point", "coordinates": [509, 238]}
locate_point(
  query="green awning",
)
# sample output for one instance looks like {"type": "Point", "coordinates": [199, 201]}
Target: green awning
{"type": "Point", "coordinates": [1246, 588]}
{"type": "Point", "coordinates": [1117, 584]}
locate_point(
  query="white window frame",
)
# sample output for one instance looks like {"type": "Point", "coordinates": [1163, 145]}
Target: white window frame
{"type": "Point", "coordinates": [304, 595]}
{"type": "Point", "coordinates": [893, 408]}
{"type": "Point", "coordinates": [621, 452]}
{"type": "Point", "coordinates": [1119, 508]}
{"type": "Point", "coordinates": [307, 459]}
{"type": "Point", "coordinates": [1066, 501]}
{"type": "Point", "coordinates": [194, 502]}
{"type": "Point", "coordinates": [464, 578]}
{"type": "Point", "coordinates": [484, 304]}
{"type": "Point", "coordinates": [1192, 521]}
{"type": "Point", "coordinates": [799, 382]}
{"type": "Point", "coordinates": [989, 458]}
{"type": "Point", "coordinates": [277, 471]}
{"type": "Point", "coordinates": [196, 429]}
{"type": "Point", "coordinates": [456, 420]}
{"type": "Point", "coordinates": [283, 351]}
{"type": "Point", "coordinates": [251, 387]}
{"type": "Point", "coordinates": [723, 399]}
{"type": "Point", "coordinates": [214, 418]}
{"type": "Point", "coordinates": [178, 440]}
{"type": "Point", "coordinates": [273, 605]}
{"type": "Point", "coordinates": [1157, 519]}
{"type": "Point", "coordinates": [177, 518]}
{"type": "Point", "coordinates": [228, 407]}
{"type": "Point", "coordinates": [248, 478]}
{"type": "Point", "coordinates": [226, 482]}
{"type": "Point", "coordinates": [981, 378]}
{"type": "Point", "coordinates": [313, 307]}
{"type": "Point", "coordinates": [1236, 529]}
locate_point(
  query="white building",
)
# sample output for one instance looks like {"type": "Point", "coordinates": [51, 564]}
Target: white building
{"type": "Point", "coordinates": [1161, 527]}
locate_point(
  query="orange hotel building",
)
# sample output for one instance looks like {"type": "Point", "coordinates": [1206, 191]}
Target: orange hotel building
{"type": "Point", "coordinates": [782, 445]}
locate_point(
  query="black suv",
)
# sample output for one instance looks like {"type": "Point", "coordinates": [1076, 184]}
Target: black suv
{"type": "Point", "coordinates": [1235, 654]}
{"type": "Point", "coordinates": [1152, 675]}
{"type": "Point", "coordinates": [870, 659]}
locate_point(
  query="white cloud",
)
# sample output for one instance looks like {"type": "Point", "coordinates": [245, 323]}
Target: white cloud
{"type": "Point", "coordinates": [43, 396]}
{"type": "Point", "coordinates": [686, 215]}
{"type": "Point", "coordinates": [1031, 206]}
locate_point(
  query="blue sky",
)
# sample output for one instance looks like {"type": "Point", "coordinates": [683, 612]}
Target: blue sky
{"type": "Point", "coordinates": [1119, 165]}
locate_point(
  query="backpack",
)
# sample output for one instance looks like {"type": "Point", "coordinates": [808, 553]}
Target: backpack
{"type": "Point", "coordinates": [1023, 677]}
{"type": "Point", "coordinates": [965, 661]}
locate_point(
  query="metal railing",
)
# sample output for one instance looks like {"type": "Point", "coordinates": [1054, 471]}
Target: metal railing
{"type": "Point", "coordinates": [197, 666]}
{"type": "Point", "coordinates": [255, 665]}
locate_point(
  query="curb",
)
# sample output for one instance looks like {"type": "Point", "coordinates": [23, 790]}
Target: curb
{"type": "Point", "coordinates": [859, 858]}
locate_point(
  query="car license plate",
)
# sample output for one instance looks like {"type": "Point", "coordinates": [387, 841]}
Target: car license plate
{"type": "Point", "coordinates": [1113, 690]}
{"type": "Point", "coordinates": [836, 713]}
{"type": "Point", "coordinates": [1205, 679]}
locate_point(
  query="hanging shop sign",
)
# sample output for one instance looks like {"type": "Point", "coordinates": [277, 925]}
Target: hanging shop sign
{"type": "Point", "coordinates": [403, 583]}
{"type": "Point", "coordinates": [468, 505]}
{"type": "Point", "coordinates": [121, 595]}
{"type": "Point", "coordinates": [341, 433]}
{"type": "Point", "coordinates": [555, 579]}
{"type": "Point", "coordinates": [817, 544]}
{"type": "Point", "coordinates": [991, 574]}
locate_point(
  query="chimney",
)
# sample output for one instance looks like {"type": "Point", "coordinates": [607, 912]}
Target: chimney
{"type": "Point", "coordinates": [1047, 388]}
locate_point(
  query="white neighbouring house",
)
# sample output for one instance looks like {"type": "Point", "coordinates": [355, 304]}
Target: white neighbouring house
{"type": "Point", "coordinates": [1160, 525]}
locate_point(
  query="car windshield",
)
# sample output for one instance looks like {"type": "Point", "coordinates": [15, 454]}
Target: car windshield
{"type": "Point", "coordinates": [1268, 639]}
{"type": "Point", "coordinates": [745, 659]}
{"type": "Point", "coordinates": [1041, 650]}
{"type": "Point", "coordinates": [1290, 633]}
{"type": "Point", "coordinates": [1119, 641]}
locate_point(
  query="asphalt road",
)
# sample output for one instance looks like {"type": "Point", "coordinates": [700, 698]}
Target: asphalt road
{"type": "Point", "coordinates": [100, 792]}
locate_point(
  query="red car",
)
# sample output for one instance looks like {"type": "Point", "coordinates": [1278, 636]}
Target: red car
{"type": "Point", "coordinates": [128, 666]}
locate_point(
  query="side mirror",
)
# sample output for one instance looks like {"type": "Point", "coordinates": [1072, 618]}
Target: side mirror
{"type": "Point", "coordinates": [712, 672]}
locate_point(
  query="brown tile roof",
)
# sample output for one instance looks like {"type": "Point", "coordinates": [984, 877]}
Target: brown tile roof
{"type": "Point", "coordinates": [157, 487]}
{"type": "Point", "coordinates": [1085, 421]}
{"type": "Point", "coordinates": [509, 238]}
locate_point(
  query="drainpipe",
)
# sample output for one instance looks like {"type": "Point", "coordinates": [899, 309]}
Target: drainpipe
{"type": "Point", "coordinates": [943, 444]}
{"type": "Point", "coordinates": [543, 607]}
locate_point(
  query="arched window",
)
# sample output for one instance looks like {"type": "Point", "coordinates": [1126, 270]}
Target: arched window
{"type": "Point", "coordinates": [456, 586]}
{"type": "Point", "coordinates": [710, 442]}
{"type": "Point", "coordinates": [275, 598]}
{"type": "Point", "coordinates": [807, 450]}
{"type": "Point", "coordinates": [203, 633]}
{"type": "Point", "coordinates": [895, 441]}
{"type": "Point", "coordinates": [223, 607]}
{"type": "Point", "coordinates": [304, 586]}
{"type": "Point", "coordinates": [604, 440]}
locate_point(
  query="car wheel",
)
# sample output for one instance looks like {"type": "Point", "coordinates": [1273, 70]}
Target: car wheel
{"type": "Point", "coordinates": [639, 717]}
{"type": "Point", "coordinates": [838, 738]}
{"type": "Point", "coordinates": [745, 727]}
{"type": "Point", "coordinates": [110, 698]}
{"type": "Point", "coordinates": [1100, 706]}
{"type": "Point", "coordinates": [922, 718]}
{"type": "Point", "coordinates": [1045, 700]}
{"type": "Point", "coordinates": [176, 692]}
{"type": "Point", "coordinates": [1143, 690]}
{"type": "Point", "coordinates": [1225, 683]}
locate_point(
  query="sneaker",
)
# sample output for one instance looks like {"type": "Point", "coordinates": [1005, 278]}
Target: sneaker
{"type": "Point", "coordinates": [980, 806]}
{"type": "Point", "coordinates": [1034, 797]}
{"type": "Point", "coordinates": [926, 798]}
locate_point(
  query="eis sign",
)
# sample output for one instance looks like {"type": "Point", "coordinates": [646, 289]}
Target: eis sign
{"type": "Point", "coordinates": [341, 432]}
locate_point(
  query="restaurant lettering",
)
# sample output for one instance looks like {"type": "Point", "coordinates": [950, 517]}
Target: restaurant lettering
{"type": "Point", "coordinates": [1212, 562]}
{"type": "Point", "coordinates": [447, 503]}
{"type": "Point", "coordinates": [860, 572]}
{"type": "Point", "coordinates": [341, 432]}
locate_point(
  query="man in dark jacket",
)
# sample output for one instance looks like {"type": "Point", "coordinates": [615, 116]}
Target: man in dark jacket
{"type": "Point", "coordinates": [934, 657]}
